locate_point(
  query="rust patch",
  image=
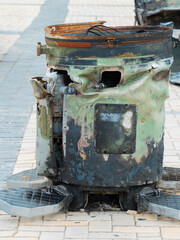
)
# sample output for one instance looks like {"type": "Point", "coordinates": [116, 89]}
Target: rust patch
{"type": "Point", "coordinates": [143, 120]}
{"type": "Point", "coordinates": [82, 143]}
{"type": "Point", "coordinates": [128, 54]}
{"type": "Point", "coordinates": [74, 44]}
{"type": "Point", "coordinates": [81, 35]}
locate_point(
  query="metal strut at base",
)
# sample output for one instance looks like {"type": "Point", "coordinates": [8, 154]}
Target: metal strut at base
{"type": "Point", "coordinates": [158, 202]}
{"type": "Point", "coordinates": [32, 202]}
{"type": "Point", "coordinates": [31, 198]}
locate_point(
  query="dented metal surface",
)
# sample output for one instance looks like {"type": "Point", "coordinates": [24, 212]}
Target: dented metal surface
{"type": "Point", "coordinates": [166, 12]}
{"type": "Point", "coordinates": [101, 104]}
{"type": "Point", "coordinates": [152, 12]}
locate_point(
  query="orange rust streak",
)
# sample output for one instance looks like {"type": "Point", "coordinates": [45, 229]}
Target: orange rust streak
{"type": "Point", "coordinates": [74, 44]}
{"type": "Point", "coordinates": [128, 54]}
{"type": "Point", "coordinates": [145, 41]}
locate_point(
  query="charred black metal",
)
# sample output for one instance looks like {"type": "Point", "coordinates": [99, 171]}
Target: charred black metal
{"type": "Point", "coordinates": [117, 171]}
{"type": "Point", "coordinates": [163, 13]}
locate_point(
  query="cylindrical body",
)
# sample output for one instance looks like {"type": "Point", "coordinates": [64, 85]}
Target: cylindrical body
{"type": "Point", "coordinates": [105, 127]}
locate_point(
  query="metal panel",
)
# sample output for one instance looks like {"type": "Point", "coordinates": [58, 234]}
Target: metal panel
{"type": "Point", "coordinates": [115, 128]}
{"type": "Point", "coordinates": [84, 166]}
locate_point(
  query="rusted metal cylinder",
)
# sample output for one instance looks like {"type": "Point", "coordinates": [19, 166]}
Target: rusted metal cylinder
{"type": "Point", "coordinates": [105, 129]}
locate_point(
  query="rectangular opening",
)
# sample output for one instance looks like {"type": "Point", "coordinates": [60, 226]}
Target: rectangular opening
{"type": "Point", "coordinates": [111, 79]}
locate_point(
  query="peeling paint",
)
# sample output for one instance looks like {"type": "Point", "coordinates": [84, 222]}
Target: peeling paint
{"type": "Point", "coordinates": [105, 135]}
{"type": "Point", "coordinates": [127, 118]}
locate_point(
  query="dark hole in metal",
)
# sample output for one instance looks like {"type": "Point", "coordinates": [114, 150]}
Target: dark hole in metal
{"type": "Point", "coordinates": [111, 78]}
{"type": "Point", "coordinates": [103, 202]}
{"type": "Point", "coordinates": [66, 77]}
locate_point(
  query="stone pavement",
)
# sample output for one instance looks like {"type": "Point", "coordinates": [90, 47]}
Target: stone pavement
{"type": "Point", "coordinates": [22, 25]}
{"type": "Point", "coordinates": [17, 66]}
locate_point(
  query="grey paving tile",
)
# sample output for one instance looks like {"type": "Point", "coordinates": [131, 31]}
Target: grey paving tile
{"type": "Point", "coordinates": [16, 67]}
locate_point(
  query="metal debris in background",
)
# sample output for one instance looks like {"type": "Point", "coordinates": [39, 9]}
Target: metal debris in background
{"type": "Point", "coordinates": [153, 12]}
{"type": "Point", "coordinates": [164, 13]}
{"type": "Point", "coordinates": [34, 202]}
{"type": "Point", "coordinates": [170, 179]}
{"type": "Point", "coordinates": [171, 174]}
{"type": "Point", "coordinates": [159, 202]}
{"type": "Point", "coordinates": [28, 179]}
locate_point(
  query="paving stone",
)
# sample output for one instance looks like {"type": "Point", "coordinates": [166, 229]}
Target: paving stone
{"type": "Point", "coordinates": [122, 219]}
{"type": "Point", "coordinates": [8, 217]}
{"type": "Point", "coordinates": [149, 238]}
{"type": "Point", "coordinates": [55, 217]}
{"type": "Point", "coordinates": [65, 223]}
{"type": "Point", "coordinates": [77, 213]}
{"type": "Point", "coordinates": [27, 234]}
{"type": "Point", "coordinates": [128, 236]}
{"type": "Point", "coordinates": [170, 152]}
{"type": "Point", "coordinates": [8, 224]}
{"type": "Point", "coordinates": [177, 144]}
{"type": "Point", "coordinates": [40, 228]}
{"type": "Point", "coordinates": [149, 234]}
{"type": "Point", "coordinates": [31, 221]}
{"type": "Point", "coordinates": [100, 226]}
{"type": "Point", "coordinates": [101, 215]}
{"type": "Point", "coordinates": [87, 238]}
{"type": "Point", "coordinates": [52, 235]}
{"type": "Point", "coordinates": [171, 159]}
{"type": "Point", "coordinates": [170, 232]}
{"type": "Point", "coordinates": [78, 216]}
{"type": "Point", "coordinates": [7, 233]}
{"type": "Point", "coordinates": [2, 213]}
{"type": "Point", "coordinates": [158, 223]}
{"type": "Point", "coordinates": [136, 229]}
{"type": "Point", "coordinates": [166, 218]}
{"type": "Point", "coordinates": [19, 238]}
{"type": "Point", "coordinates": [20, 169]}
{"type": "Point", "coordinates": [76, 232]}
{"type": "Point", "coordinates": [146, 216]}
